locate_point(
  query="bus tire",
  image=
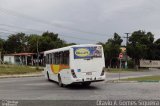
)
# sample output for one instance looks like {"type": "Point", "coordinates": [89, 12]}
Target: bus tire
{"type": "Point", "coordinates": [86, 84]}
{"type": "Point", "coordinates": [48, 76]}
{"type": "Point", "coordinates": [60, 81]}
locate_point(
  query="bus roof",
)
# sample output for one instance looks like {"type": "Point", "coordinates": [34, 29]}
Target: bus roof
{"type": "Point", "coordinates": [68, 47]}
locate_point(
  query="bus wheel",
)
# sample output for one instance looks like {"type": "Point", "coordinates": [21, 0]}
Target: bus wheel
{"type": "Point", "coordinates": [60, 81]}
{"type": "Point", "coordinates": [86, 84]}
{"type": "Point", "coordinates": [48, 76]}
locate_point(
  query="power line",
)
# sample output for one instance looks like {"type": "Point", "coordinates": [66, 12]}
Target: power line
{"type": "Point", "coordinates": [46, 22]}
{"type": "Point", "coordinates": [38, 30]}
{"type": "Point", "coordinates": [10, 31]}
{"type": "Point", "coordinates": [2, 34]}
{"type": "Point", "coordinates": [127, 37]}
{"type": "Point", "coordinates": [81, 38]}
{"type": "Point", "coordinates": [2, 29]}
{"type": "Point", "coordinates": [5, 32]}
{"type": "Point", "coordinates": [59, 35]}
{"type": "Point", "coordinates": [12, 26]}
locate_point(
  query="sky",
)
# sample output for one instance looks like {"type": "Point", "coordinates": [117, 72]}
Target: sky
{"type": "Point", "coordinates": [80, 21]}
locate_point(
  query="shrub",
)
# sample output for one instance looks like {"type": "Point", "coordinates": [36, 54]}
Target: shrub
{"type": "Point", "coordinates": [130, 64]}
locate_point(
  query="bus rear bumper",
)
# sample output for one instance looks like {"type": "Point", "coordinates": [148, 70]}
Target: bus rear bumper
{"type": "Point", "coordinates": [90, 79]}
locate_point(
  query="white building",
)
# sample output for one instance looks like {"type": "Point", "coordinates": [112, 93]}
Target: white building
{"type": "Point", "coordinates": [9, 59]}
{"type": "Point", "coordinates": [19, 58]}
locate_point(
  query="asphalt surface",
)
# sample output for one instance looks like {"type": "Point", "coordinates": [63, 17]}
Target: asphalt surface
{"type": "Point", "coordinates": [112, 76]}
{"type": "Point", "coordinates": [38, 88]}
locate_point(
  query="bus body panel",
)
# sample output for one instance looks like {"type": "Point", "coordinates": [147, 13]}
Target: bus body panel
{"type": "Point", "coordinates": [88, 69]}
{"type": "Point", "coordinates": [85, 69]}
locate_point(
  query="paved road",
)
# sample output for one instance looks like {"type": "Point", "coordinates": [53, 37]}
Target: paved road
{"type": "Point", "coordinates": [112, 76]}
{"type": "Point", "coordinates": [37, 88]}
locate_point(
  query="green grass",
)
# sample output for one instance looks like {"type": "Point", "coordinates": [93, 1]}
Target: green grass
{"type": "Point", "coordinates": [117, 70]}
{"type": "Point", "coordinates": [14, 69]}
{"type": "Point", "coordinates": [146, 78]}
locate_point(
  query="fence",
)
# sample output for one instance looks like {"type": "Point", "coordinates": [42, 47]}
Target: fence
{"type": "Point", "coordinates": [150, 63]}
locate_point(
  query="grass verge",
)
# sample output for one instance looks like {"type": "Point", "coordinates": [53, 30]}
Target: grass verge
{"type": "Point", "coordinates": [144, 79]}
{"type": "Point", "coordinates": [117, 70]}
{"type": "Point", "coordinates": [14, 69]}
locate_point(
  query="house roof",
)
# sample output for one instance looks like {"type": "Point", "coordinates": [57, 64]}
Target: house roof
{"type": "Point", "coordinates": [20, 54]}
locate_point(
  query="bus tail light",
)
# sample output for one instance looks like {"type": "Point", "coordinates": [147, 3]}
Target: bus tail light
{"type": "Point", "coordinates": [73, 74]}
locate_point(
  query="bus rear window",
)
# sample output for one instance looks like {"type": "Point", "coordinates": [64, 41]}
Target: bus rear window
{"type": "Point", "coordinates": [87, 52]}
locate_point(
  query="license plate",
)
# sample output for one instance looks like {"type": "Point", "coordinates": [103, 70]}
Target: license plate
{"type": "Point", "coordinates": [89, 73]}
{"type": "Point", "coordinates": [89, 79]}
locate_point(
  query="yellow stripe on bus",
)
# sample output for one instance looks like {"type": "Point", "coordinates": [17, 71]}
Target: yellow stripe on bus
{"type": "Point", "coordinates": [56, 68]}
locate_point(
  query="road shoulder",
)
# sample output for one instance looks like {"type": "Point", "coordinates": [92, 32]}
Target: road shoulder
{"type": "Point", "coordinates": [36, 74]}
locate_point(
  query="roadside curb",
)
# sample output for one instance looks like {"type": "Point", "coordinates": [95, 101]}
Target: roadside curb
{"type": "Point", "coordinates": [120, 81]}
{"type": "Point", "coordinates": [150, 81]}
{"type": "Point", "coordinates": [117, 81]}
{"type": "Point", "coordinates": [22, 75]}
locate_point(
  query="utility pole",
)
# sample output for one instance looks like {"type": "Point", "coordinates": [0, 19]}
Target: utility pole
{"type": "Point", "coordinates": [127, 37]}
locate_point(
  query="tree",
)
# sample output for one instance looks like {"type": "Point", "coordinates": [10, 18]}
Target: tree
{"type": "Point", "coordinates": [20, 42]}
{"type": "Point", "coordinates": [47, 41]}
{"type": "Point", "coordinates": [50, 40]}
{"type": "Point", "coordinates": [157, 49]}
{"type": "Point", "coordinates": [70, 44]}
{"type": "Point", "coordinates": [141, 46]}
{"type": "Point", "coordinates": [32, 42]}
{"type": "Point", "coordinates": [1, 44]}
{"type": "Point", "coordinates": [112, 50]}
{"type": "Point", "coordinates": [1, 48]}
{"type": "Point", "coordinates": [16, 43]}
{"type": "Point", "coordinates": [116, 40]}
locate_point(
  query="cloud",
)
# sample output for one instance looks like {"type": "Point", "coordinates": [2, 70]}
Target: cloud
{"type": "Point", "coordinates": [97, 16]}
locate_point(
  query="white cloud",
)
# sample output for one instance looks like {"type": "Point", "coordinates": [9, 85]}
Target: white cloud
{"type": "Point", "coordinates": [100, 16]}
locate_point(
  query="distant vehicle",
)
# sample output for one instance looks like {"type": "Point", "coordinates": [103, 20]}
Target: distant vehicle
{"type": "Point", "coordinates": [75, 64]}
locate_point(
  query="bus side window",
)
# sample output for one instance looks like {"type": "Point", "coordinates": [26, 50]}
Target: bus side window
{"type": "Point", "coordinates": [53, 58]}
{"type": "Point", "coordinates": [55, 55]}
{"type": "Point", "coordinates": [66, 57]}
{"type": "Point", "coordinates": [49, 62]}
{"type": "Point", "coordinates": [47, 58]}
{"type": "Point", "coordinates": [58, 62]}
{"type": "Point", "coordinates": [61, 58]}
{"type": "Point", "coordinates": [57, 58]}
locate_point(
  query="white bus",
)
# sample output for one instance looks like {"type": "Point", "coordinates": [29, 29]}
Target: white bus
{"type": "Point", "coordinates": [75, 64]}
